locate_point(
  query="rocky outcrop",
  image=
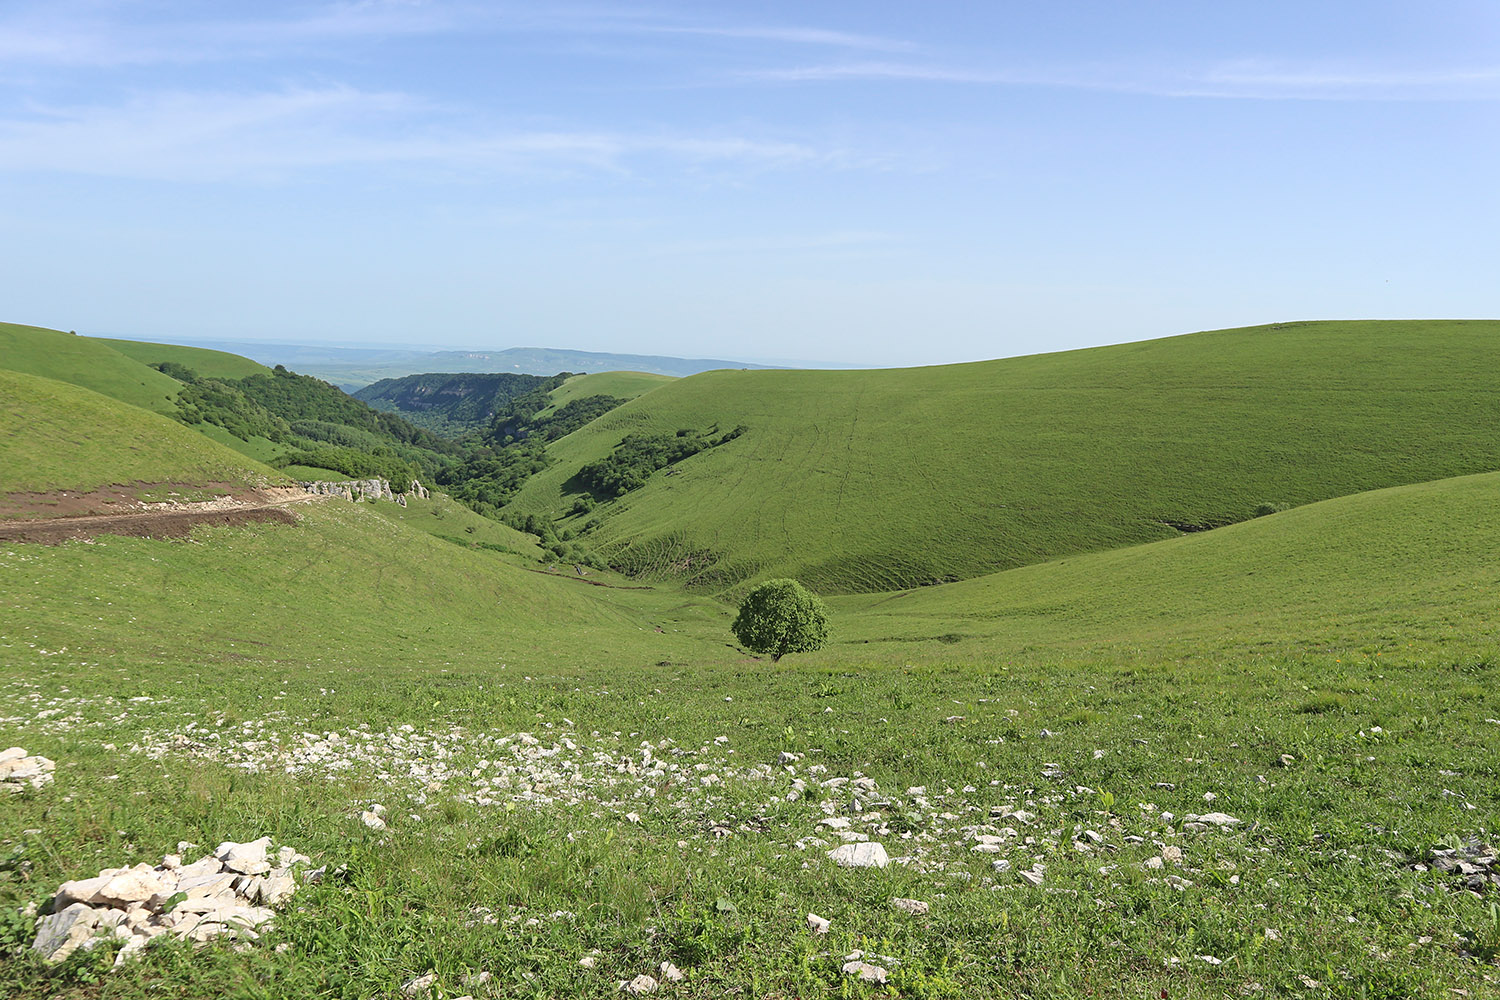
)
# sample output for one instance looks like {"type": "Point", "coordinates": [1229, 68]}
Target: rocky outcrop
{"type": "Point", "coordinates": [20, 770]}
{"type": "Point", "coordinates": [352, 489]}
{"type": "Point", "coordinates": [230, 893]}
{"type": "Point", "coordinates": [366, 489]}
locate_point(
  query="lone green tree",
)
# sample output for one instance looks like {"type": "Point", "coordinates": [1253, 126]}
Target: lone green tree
{"type": "Point", "coordinates": [780, 617]}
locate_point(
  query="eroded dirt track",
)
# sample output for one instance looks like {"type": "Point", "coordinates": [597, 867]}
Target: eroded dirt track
{"type": "Point", "coordinates": [59, 517]}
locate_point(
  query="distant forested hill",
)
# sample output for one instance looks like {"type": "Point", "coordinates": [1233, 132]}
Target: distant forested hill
{"type": "Point", "coordinates": [448, 403]}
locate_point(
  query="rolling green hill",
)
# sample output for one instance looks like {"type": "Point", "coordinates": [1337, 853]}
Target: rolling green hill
{"type": "Point", "coordinates": [882, 480]}
{"type": "Point", "coordinates": [205, 362]}
{"type": "Point", "coordinates": [93, 364]}
{"type": "Point", "coordinates": [620, 385]}
{"type": "Point", "coordinates": [74, 438]}
{"type": "Point", "coordinates": [1395, 565]}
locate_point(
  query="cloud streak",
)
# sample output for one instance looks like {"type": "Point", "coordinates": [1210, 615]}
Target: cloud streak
{"type": "Point", "coordinates": [69, 34]}
{"type": "Point", "coordinates": [280, 134]}
{"type": "Point", "coordinates": [1240, 80]}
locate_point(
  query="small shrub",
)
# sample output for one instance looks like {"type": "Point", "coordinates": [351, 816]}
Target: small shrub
{"type": "Point", "coordinates": [1262, 509]}
{"type": "Point", "coordinates": [780, 617]}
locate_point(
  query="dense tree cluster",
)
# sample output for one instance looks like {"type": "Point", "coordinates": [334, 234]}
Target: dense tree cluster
{"type": "Point", "coordinates": [639, 455]}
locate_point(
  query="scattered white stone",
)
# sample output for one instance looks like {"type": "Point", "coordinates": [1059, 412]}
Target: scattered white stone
{"type": "Point", "coordinates": [817, 924]}
{"type": "Point", "coordinates": [588, 961]}
{"type": "Point", "coordinates": [867, 854]}
{"type": "Point", "coordinates": [913, 906]}
{"type": "Point", "coordinates": [1219, 819]}
{"type": "Point", "coordinates": [633, 817]}
{"type": "Point", "coordinates": [372, 820]}
{"type": "Point", "coordinates": [1272, 934]}
{"type": "Point", "coordinates": [20, 770]}
{"type": "Point", "coordinates": [1172, 853]}
{"type": "Point", "coordinates": [866, 972]}
{"type": "Point", "coordinates": [639, 986]}
{"type": "Point", "coordinates": [420, 986]}
{"type": "Point", "coordinates": [671, 973]}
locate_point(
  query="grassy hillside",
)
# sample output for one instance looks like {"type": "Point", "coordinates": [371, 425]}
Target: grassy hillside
{"type": "Point", "coordinates": [84, 361]}
{"type": "Point", "coordinates": [1384, 568]}
{"type": "Point", "coordinates": [71, 438]}
{"type": "Point", "coordinates": [207, 363]}
{"type": "Point", "coordinates": [620, 385]}
{"type": "Point", "coordinates": [597, 761]}
{"type": "Point", "coordinates": [879, 480]}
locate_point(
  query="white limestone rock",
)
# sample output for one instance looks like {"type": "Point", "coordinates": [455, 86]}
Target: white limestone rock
{"type": "Point", "coordinates": [65, 931]}
{"type": "Point", "coordinates": [247, 859]}
{"type": "Point", "coordinates": [865, 972]}
{"type": "Point", "coordinates": [915, 907]}
{"type": "Point", "coordinates": [639, 986]}
{"type": "Point", "coordinates": [867, 854]}
{"type": "Point", "coordinates": [817, 924]}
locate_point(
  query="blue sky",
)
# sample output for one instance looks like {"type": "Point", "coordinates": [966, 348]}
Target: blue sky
{"type": "Point", "coordinates": [861, 182]}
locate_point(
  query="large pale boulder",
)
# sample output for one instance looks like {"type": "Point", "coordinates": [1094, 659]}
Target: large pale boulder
{"type": "Point", "coordinates": [65, 931]}
{"type": "Point", "coordinates": [866, 854]}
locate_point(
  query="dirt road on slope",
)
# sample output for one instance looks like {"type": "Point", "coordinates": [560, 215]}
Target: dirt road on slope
{"type": "Point", "coordinates": [51, 518]}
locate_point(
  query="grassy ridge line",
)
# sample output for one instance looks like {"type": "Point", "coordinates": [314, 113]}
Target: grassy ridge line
{"type": "Point", "coordinates": [75, 439]}
{"type": "Point", "coordinates": [202, 360]}
{"type": "Point", "coordinates": [621, 385]}
{"type": "Point", "coordinates": [87, 362]}
{"type": "Point", "coordinates": [1410, 563]}
{"type": "Point", "coordinates": [880, 480]}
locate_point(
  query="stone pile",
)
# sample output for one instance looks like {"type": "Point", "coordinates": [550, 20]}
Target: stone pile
{"type": "Point", "coordinates": [228, 894]}
{"type": "Point", "coordinates": [20, 770]}
{"type": "Point", "coordinates": [1476, 865]}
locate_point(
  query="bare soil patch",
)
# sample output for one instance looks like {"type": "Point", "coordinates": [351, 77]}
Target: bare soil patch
{"type": "Point", "coordinates": [62, 515]}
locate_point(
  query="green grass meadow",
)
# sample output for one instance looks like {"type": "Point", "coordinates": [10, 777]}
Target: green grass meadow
{"type": "Point", "coordinates": [621, 385]}
{"type": "Point", "coordinates": [87, 362]}
{"type": "Point", "coordinates": [883, 480]}
{"type": "Point", "coordinates": [584, 778]}
{"type": "Point", "coordinates": [67, 437]}
{"type": "Point", "coordinates": [202, 360]}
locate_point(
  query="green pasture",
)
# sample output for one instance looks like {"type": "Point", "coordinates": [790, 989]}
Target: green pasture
{"type": "Point", "coordinates": [62, 436]}
{"type": "Point", "coordinates": [585, 778]}
{"type": "Point", "coordinates": [621, 385]}
{"type": "Point", "coordinates": [884, 480]}
{"type": "Point", "coordinates": [87, 362]}
{"type": "Point", "coordinates": [130, 654]}
{"type": "Point", "coordinates": [202, 360]}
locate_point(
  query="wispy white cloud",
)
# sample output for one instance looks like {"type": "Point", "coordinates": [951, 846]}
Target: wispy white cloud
{"type": "Point", "coordinates": [1244, 80]}
{"type": "Point", "coordinates": [793, 35]}
{"type": "Point", "coordinates": [221, 136]}
{"type": "Point", "coordinates": [70, 33]}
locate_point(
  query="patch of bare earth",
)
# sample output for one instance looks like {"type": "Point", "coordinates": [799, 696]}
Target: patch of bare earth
{"type": "Point", "coordinates": [63, 515]}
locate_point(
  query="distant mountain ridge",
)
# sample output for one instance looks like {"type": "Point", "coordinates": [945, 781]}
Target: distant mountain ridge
{"type": "Point", "coordinates": [352, 368]}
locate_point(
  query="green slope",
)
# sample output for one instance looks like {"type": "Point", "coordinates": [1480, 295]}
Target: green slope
{"type": "Point", "coordinates": [621, 385]}
{"type": "Point", "coordinates": [88, 362]}
{"type": "Point", "coordinates": [350, 585]}
{"type": "Point", "coordinates": [878, 480]}
{"type": "Point", "coordinates": [205, 362]}
{"type": "Point", "coordinates": [73, 438]}
{"type": "Point", "coordinates": [1409, 563]}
